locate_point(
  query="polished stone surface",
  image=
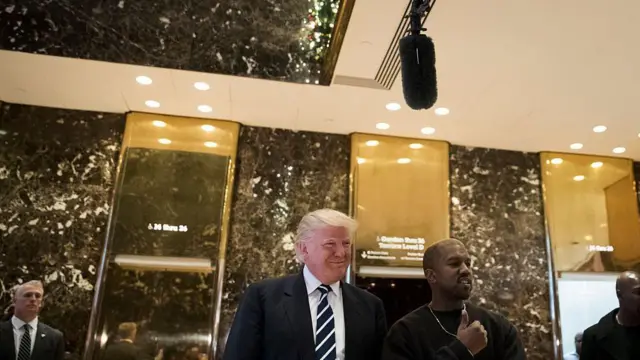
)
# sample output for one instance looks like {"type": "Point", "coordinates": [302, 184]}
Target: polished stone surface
{"type": "Point", "coordinates": [278, 40]}
{"type": "Point", "coordinates": [57, 172]}
{"type": "Point", "coordinates": [281, 175]}
{"type": "Point", "coordinates": [636, 175]}
{"type": "Point", "coordinates": [497, 211]}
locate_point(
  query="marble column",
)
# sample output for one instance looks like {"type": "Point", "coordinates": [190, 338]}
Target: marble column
{"type": "Point", "coordinates": [281, 175]}
{"type": "Point", "coordinates": [636, 176]}
{"type": "Point", "coordinates": [57, 169]}
{"type": "Point", "coordinates": [497, 211]}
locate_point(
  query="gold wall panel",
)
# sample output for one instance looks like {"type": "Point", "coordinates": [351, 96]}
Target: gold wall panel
{"type": "Point", "coordinates": [591, 211]}
{"type": "Point", "coordinates": [400, 197]}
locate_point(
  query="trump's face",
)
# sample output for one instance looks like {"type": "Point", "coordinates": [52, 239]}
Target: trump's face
{"type": "Point", "coordinates": [327, 253]}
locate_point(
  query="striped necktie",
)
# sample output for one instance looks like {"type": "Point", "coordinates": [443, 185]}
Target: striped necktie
{"type": "Point", "coordinates": [25, 343]}
{"type": "Point", "coordinates": [325, 327]}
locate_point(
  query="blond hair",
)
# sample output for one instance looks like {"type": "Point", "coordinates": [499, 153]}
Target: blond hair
{"type": "Point", "coordinates": [34, 283]}
{"type": "Point", "coordinates": [319, 219]}
{"type": "Point", "coordinates": [127, 330]}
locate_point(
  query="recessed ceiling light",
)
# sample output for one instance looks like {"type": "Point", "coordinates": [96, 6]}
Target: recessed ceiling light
{"type": "Point", "coordinates": [372, 143]}
{"type": "Point", "coordinates": [382, 126]}
{"type": "Point", "coordinates": [203, 86]}
{"type": "Point", "coordinates": [428, 130]}
{"type": "Point", "coordinates": [441, 111]}
{"type": "Point", "coordinates": [205, 108]}
{"type": "Point", "coordinates": [144, 80]}
{"type": "Point", "coordinates": [576, 146]}
{"type": "Point", "coordinates": [416, 146]}
{"type": "Point", "coordinates": [619, 150]}
{"type": "Point", "coordinates": [578, 177]}
{"type": "Point", "coordinates": [556, 161]}
{"type": "Point", "coordinates": [361, 160]}
{"type": "Point", "coordinates": [404, 161]}
{"type": "Point", "coordinates": [393, 106]}
{"type": "Point", "coordinates": [599, 129]}
{"type": "Point", "coordinates": [152, 103]}
{"type": "Point", "coordinates": [164, 141]}
{"type": "Point", "coordinates": [210, 144]}
{"type": "Point", "coordinates": [207, 127]}
{"type": "Point", "coordinates": [158, 123]}
{"type": "Point", "coordinates": [596, 164]}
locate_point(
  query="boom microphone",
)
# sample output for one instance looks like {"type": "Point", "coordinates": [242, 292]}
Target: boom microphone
{"type": "Point", "coordinates": [418, 61]}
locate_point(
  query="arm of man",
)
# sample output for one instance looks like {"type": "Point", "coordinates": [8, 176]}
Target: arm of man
{"type": "Point", "coordinates": [398, 345]}
{"type": "Point", "coordinates": [513, 348]}
{"type": "Point", "coordinates": [381, 328]}
{"type": "Point", "coordinates": [589, 346]}
{"type": "Point", "coordinates": [245, 338]}
{"type": "Point", "coordinates": [59, 354]}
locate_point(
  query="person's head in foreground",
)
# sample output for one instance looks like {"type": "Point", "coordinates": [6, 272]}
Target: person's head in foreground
{"type": "Point", "coordinates": [323, 244]}
{"type": "Point", "coordinates": [578, 342]}
{"type": "Point", "coordinates": [27, 300]}
{"type": "Point", "coordinates": [447, 267]}
{"type": "Point", "coordinates": [628, 292]}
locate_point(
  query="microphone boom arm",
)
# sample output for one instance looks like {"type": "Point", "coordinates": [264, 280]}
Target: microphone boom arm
{"type": "Point", "coordinates": [420, 9]}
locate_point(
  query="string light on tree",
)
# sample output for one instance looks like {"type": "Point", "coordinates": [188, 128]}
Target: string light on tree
{"type": "Point", "coordinates": [315, 38]}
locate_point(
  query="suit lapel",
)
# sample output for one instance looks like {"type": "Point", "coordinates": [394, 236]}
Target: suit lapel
{"type": "Point", "coordinates": [296, 306]}
{"type": "Point", "coordinates": [38, 347]}
{"type": "Point", "coordinates": [7, 343]}
{"type": "Point", "coordinates": [352, 313]}
{"type": "Point", "coordinates": [614, 345]}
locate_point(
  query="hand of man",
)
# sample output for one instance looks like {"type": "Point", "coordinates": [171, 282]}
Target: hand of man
{"type": "Point", "coordinates": [473, 336]}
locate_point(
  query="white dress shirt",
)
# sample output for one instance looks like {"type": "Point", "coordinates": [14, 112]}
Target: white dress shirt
{"type": "Point", "coordinates": [335, 301]}
{"type": "Point", "coordinates": [18, 331]}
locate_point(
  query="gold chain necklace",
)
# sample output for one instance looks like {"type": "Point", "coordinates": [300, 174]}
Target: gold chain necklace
{"type": "Point", "coordinates": [464, 308]}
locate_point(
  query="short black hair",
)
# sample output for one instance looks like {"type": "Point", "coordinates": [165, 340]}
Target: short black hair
{"type": "Point", "coordinates": [432, 254]}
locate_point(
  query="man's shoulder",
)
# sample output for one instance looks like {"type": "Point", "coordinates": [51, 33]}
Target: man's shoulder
{"type": "Point", "coordinates": [273, 283]}
{"type": "Point", "coordinates": [417, 316]}
{"type": "Point", "coordinates": [361, 294]}
{"type": "Point", "coordinates": [50, 330]}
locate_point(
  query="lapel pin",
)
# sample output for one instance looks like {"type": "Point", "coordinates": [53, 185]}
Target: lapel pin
{"type": "Point", "coordinates": [42, 335]}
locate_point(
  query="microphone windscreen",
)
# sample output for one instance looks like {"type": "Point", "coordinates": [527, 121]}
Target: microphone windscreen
{"type": "Point", "coordinates": [418, 63]}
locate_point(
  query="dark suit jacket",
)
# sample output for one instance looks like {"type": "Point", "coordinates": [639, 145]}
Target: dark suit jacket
{"type": "Point", "coordinates": [124, 350]}
{"type": "Point", "coordinates": [273, 322]}
{"type": "Point", "coordinates": [49, 343]}
{"type": "Point", "coordinates": [599, 342]}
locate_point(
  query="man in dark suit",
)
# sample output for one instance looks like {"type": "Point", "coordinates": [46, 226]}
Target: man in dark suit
{"type": "Point", "coordinates": [23, 337]}
{"type": "Point", "coordinates": [617, 335]}
{"type": "Point", "coordinates": [313, 315]}
{"type": "Point", "coordinates": [124, 348]}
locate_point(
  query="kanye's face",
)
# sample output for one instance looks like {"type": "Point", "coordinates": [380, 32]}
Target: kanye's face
{"type": "Point", "coordinates": [452, 271]}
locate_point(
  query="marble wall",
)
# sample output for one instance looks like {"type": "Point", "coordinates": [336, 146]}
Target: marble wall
{"type": "Point", "coordinates": [280, 176]}
{"type": "Point", "coordinates": [57, 169]}
{"type": "Point", "coordinates": [278, 40]}
{"type": "Point", "coordinates": [497, 211]}
{"type": "Point", "coordinates": [636, 174]}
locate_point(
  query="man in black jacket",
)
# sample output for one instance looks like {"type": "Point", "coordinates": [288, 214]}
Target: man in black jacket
{"type": "Point", "coordinates": [617, 335]}
{"type": "Point", "coordinates": [24, 337]}
{"type": "Point", "coordinates": [313, 315]}
{"type": "Point", "coordinates": [448, 328]}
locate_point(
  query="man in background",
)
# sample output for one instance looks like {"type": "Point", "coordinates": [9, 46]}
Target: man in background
{"type": "Point", "coordinates": [449, 328]}
{"type": "Point", "coordinates": [24, 337]}
{"type": "Point", "coordinates": [124, 347]}
{"type": "Point", "coordinates": [314, 314]}
{"type": "Point", "coordinates": [617, 335]}
{"type": "Point", "coordinates": [576, 354]}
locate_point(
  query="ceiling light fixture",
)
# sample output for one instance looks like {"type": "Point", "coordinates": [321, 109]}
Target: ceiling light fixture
{"type": "Point", "coordinates": [576, 146]}
{"type": "Point", "coordinates": [205, 108]}
{"type": "Point", "coordinates": [202, 86]}
{"type": "Point", "coordinates": [597, 164]}
{"type": "Point", "coordinates": [210, 144]}
{"type": "Point", "coordinates": [144, 80]}
{"type": "Point", "coordinates": [152, 104]}
{"type": "Point", "coordinates": [556, 161]}
{"type": "Point", "coordinates": [441, 111]}
{"type": "Point", "coordinates": [372, 143]}
{"type": "Point", "coordinates": [404, 161]}
{"type": "Point", "coordinates": [158, 123]}
{"type": "Point", "coordinates": [416, 146]}
{"type": "Point", "coordinates": [428, 130]}
{"type": "Point", "coordinates": [599, 129]}
{"type": "Point", "coordinates": [164, 141]}
{"type": "Point", "coordinates": [619, 150]}
{"type": "Point", "coordinates": [382, 126]}
{"type": "Point", "coordinates": [207, 127]}
{"type": "Point", "coordinates": [578, 177]}
{"type": "Point", "coordinates": [393, 106]}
